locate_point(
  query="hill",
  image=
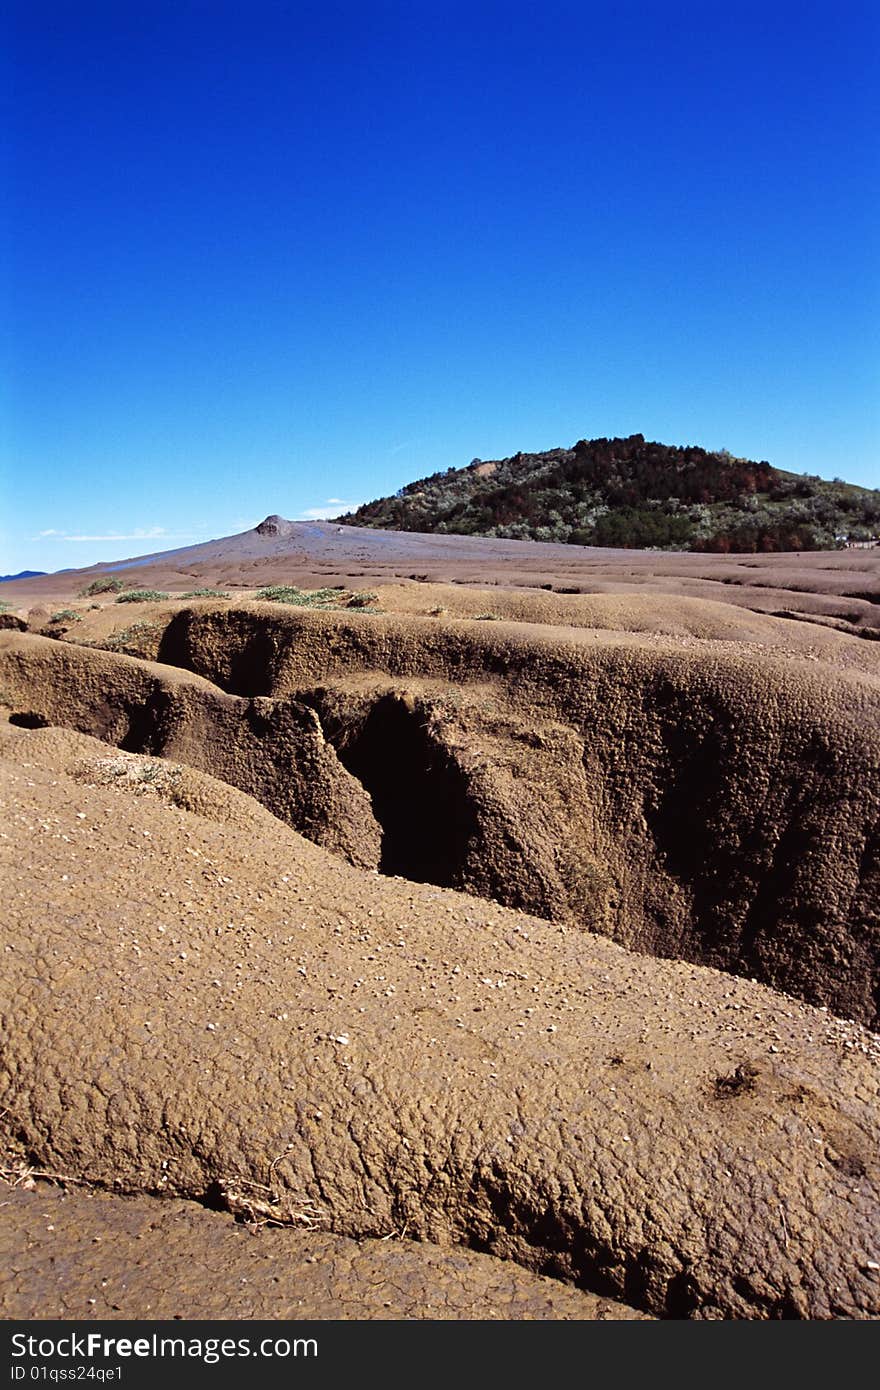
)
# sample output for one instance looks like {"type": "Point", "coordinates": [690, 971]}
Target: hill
{"type": "Point", "coordinates": [632, 493]}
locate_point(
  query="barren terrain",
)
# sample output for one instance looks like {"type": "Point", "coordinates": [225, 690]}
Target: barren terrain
{"type": "Point", "coordinates": [841, 587]}
{"type": "Point", "coordinates": [486, 950]}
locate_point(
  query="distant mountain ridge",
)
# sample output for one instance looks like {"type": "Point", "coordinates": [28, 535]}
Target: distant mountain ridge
{"type": "Point", "coordinates": [22, 574]}
{"type": "Point", "coordinates": [632, 493]}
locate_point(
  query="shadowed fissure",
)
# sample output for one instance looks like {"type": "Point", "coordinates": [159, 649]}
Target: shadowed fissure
{"type": "Point", "coordinates": [26, 719]}
{"type": "Point", "coordinates": [419, 797]}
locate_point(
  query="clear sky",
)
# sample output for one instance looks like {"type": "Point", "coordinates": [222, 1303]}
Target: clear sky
{"type": "Point", "coordinates": [259, 256]}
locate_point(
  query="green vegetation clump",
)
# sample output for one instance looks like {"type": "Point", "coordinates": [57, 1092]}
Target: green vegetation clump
{"type": "Point", "coordinates": [140, 639]}
{"type": "Point", "coordinates": [331, 599]}
{"type": "Point", "coordinates": [66, 615]}
{"type": "Point", "coordinates": [204, 593]}
{"type": "Point", "coordinates": [299, 598]}
{"type": "Point", "coordinates": [141, 596]}
{"type": "Point", "coordinates": [633, 493]}
{"type": "Point", "coordinates": [105, 585]}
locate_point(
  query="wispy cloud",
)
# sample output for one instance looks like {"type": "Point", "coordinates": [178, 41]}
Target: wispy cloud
{"type": "Point", "coordinates": [332, 507]}
{"type": "Point", "coordinates": [138, 533]}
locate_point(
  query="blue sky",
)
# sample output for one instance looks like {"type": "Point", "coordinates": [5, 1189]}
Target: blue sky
{"type": "Point", "coordinates": [258, 256]}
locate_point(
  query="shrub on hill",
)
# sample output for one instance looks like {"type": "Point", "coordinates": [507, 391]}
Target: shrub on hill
{"type": "Point", "coordinates": [632, 493]}
{"type": "Point", "coordinates": [107, 584]}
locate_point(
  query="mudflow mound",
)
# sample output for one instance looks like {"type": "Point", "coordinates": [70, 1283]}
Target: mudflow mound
{"type": "Point", "coordinates": [715, 806]}
{"type": "Point", "coordinates": [656, 618]}
{"type": "Point", "coordinates": [198, 1009]}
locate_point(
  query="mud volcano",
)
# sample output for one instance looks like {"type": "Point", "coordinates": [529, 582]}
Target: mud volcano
{"type": "Point", "coordinates": [412, 1027]}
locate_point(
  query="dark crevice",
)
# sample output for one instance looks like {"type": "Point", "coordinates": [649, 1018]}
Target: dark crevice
{"type": "Point", "coordinates": [29, 720]}
{"type": "Point", "coordinates": [243, 660]}
{"type": "Point", "coordinates": [866, 595]}
{"type": "Point", "coordinates": [420, 796]}
{"type": "Point", "coordinates": [147, 726]}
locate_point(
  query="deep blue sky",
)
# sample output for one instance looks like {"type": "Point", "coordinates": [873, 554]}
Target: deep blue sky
{"type": "Point", "coordinates": [257, 256]}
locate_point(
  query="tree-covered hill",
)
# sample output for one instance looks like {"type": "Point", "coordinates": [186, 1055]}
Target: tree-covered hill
{"type": "Point", "coordinates": [633, 493]}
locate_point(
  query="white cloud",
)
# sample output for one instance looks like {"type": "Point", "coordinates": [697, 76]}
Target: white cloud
{"type": "Point", "coordinates": [130, 536]}
{"type": "Point", "coordinates": [331, 508]}
{"type": "Point", "coordinates": [156, 533]}
{"type": "Point", "coordinates": [138, 533]}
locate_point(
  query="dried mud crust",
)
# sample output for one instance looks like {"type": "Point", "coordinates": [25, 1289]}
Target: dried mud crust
{"type": "Point", "coordinates": [717, 806]}
{"type": "Point", "coordinates": [77, 1255]}
{"type": "Point", "coordinates": [191, 1006]}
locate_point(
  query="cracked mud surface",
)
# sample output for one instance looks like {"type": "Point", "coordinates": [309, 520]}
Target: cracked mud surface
{"type": "Point", "coordinates": [73, 1255]}
{"type": "Point", "coordinates": [199, 1002]}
